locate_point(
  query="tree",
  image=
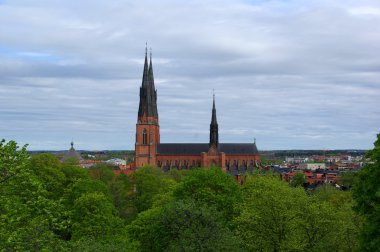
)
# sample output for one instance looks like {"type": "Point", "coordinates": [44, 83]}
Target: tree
{"type": "Point", "coordinates": [118, 185]}
{"type": "Point", "coordinates": [12, 160]}
{"type": "Point", "coordinates": [183, 226]}
{"type": "Point", "coordinates": [149, 182]}
{"type": "Point", "coordinates": [347, 179]}
{"type": "Point", "coordinates": [81, 187]}
{"type": "Point", "coordinates": [298, 179]}
{"type": "Point", "coordinates": [269, 215]}
{"type": "Point", "coordinates": [28, 214]}
{"type": "Point", "coordinates": [366, 192]}
{"type": "Point", "coordinates": [276, 217]}
{"type": "Point", "coordinates": [347, 223]}
{"type": "Point", "coordinates": [212, 187]}
{"type": "Point", "coordinates": [48, 170]}
{"type": "Point", "coordinates": [94, 217]}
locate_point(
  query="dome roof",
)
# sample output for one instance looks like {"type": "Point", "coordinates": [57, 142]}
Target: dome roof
{"type": "Point", "coordinates": [72, 154]}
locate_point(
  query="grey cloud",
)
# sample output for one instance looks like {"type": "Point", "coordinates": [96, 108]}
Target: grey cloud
{"type": "Point", "coordinates": [293, 74]}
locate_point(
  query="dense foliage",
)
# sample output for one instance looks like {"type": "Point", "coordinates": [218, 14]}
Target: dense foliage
{"type": "Point", "coordinates": [53, 206]}
{"type": "Point", "coordinates": [366, 192]}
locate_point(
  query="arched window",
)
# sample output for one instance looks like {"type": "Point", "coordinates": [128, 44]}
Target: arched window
{"type": "Point", "coordinates": [145, 137]}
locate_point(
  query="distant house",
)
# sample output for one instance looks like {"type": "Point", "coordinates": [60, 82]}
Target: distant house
{"type": "Point", "coordinates": [313, 166]}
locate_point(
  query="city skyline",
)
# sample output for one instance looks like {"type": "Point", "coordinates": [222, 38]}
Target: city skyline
{"type": "Point", "coordinates": [292, 74]}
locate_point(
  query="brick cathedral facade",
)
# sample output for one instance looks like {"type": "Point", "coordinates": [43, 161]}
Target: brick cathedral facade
{"type": "Point", "coordinates": [234, 158]}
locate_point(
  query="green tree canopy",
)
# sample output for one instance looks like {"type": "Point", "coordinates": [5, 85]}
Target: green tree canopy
{"type": "Point", "coordinates": [298, 179]}
{"type": "Point", "coordinates": [94, 216]}
{"type": "Point", "coordinates": [149, 182]}
{"type": "Point", "coordinates": [276, 217]}
{"type": "Point", "coordinates": [366, 192]}
{"type": "Point", "coordinates": [183, 226]}
{"type": "Point", "coordinates": [212, 187]}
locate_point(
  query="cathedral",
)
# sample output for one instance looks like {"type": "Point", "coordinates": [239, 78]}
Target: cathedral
{"type": "Point", "coordinates": [234, 158]}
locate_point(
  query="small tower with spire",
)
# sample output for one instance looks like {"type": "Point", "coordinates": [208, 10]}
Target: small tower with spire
{"type": "Point", "coordinates": [72, 154]}
{"type": "Point", "coordinates": [147, 127]}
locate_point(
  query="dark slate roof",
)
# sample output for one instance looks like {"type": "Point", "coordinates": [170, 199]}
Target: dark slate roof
{"type": "Point", "coordinates": [198, 148]}
{"type": "Point", "coordinates": [181, 148]}
{"type": "Point", "coordinates": [239, 148]}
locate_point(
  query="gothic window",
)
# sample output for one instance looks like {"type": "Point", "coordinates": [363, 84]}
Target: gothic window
{"type": "Point", "coordinates": [145, 137]}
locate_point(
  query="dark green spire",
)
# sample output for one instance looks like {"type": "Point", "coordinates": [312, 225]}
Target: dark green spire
{"type": "Point", "coordinates": [145, 80]}
{"type": "Point", "coordinates": [148, 93]}
{"type": "Point", "coordinates": [214, 135]}
{"type": "Point", "coordinates": [152, 87]}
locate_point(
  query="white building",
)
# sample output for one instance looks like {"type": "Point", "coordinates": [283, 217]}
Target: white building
{"type": "Point", "coordinates": [315, 166]}
{"type": "Point", "coordinates": [116, 161]}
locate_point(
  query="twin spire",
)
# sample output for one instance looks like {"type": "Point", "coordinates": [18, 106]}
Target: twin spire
{"type": "Point", "coordinates": [148, 69]}
{"type": "Point", "coordinates": [148, 92]}
{"type": "Point", "coordinates": [148, 102]}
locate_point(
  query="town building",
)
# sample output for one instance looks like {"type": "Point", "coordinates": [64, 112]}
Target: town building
{"type": "Point", "coordinates": [235, 158]}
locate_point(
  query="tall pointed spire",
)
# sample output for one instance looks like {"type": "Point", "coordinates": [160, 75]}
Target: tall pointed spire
{"type": "Point", "coordinates": [150, 72]}
{"type": "Point", "coordinates": [153, 90]}
{"type": "Point", "coordinates": [145, 80]}
{"type": "Point", "coordinates": [148, 93]}
{"type": "Point", "coordinates": [214, 134]}
{"type": "Point", "coordinates": [213, 119]}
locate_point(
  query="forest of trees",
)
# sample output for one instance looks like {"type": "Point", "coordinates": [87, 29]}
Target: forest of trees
{"type": "Point", "coordinates": [52, 206]}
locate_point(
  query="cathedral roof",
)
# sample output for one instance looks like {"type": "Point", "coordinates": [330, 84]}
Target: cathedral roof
{"type": "Point", "coordinates": [198, 148]}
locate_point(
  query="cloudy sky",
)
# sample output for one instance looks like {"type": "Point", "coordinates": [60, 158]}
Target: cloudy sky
{"type": "Point", "coordinates": [294, 74]}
